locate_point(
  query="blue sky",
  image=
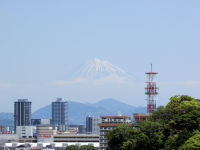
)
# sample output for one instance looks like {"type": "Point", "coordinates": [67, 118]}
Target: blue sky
{"type": "Point", "coordinates": [45, 41]}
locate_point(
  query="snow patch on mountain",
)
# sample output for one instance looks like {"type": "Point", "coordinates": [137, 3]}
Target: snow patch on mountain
{"type": "Point", "coordinates": [97, 71]}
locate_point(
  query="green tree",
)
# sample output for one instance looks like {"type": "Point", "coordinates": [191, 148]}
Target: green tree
{"type": "Point", "coordinates": [127, 138]}
{"type": "Point", "coordinates": [153, 130]}
{"type": "Point", "coordinates": [178, 120]}
{"type": "Point", "coordinates": [72, 147]}
{"type": "Point", "coordinates": [193, 143]}
{"type": "Point", "coordinates": [171, 142]}
{"type": "Point", "coordinates": [121, 134]}
{"type": "Point", "coordinates": [87, 147]}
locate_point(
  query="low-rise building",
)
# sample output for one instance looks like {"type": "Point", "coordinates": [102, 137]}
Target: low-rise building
{"type": "Point", "coordinates": [36, 122]}
{"type": "Point", "coordinates": [72, 130]}
{"type": "Point", "coordinates": [81, 128]}
{"type": "Point", "coordinates": [42, 146]}
{"type": "Point", "coordinates": [139, 117]}
{"type": "Point", "coordinates": [45, 133]}
{"type": "Point", "coordinates": [24, 131]}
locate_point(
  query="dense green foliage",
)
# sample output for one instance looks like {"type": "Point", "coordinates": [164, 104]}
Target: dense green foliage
{"type": "Point", "coordinates": [193, 143]}
{"type": "Point", "coordinates": [87, 147]}
{"type": "Point", "coordinates": [72, 147]}
{"type": "Point", "coordinates": [173, 127]}
{"type": "Point", "coordinates": [82, 147]}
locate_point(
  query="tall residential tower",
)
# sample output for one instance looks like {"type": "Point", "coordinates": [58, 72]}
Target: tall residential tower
{"type": "Point", "coordinates": [22, 113]}
{"type": "Point", "coordinates": [60, 114]}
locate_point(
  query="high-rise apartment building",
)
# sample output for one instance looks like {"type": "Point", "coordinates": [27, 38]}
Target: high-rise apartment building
{"type": "Point", "coordinates": [92, 125]}
{"type": "Point", "coordinates": [22, 113]}
{"type": "Point", "coordinates": [109, 123]}
{"type": "Point", "coordinates": [60, 114]}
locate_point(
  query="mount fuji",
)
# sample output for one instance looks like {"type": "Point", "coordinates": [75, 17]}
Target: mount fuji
{"type": "Point", "coordinates": [98, 71]}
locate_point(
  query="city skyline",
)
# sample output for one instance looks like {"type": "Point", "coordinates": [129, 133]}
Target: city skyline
{"type": "Point", "coordinates": [47, 41]}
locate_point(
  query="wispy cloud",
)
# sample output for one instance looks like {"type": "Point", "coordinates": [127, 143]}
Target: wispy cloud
{"type": "Point", "coordinates": [191, 83]}
{"type": "Point", "coordinates": [6, 85]}
{"type": "Point", "coordinates": [104, 80]}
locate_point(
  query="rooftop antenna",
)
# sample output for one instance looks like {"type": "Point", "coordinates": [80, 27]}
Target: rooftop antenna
{"type": "Point", "coordinates": [119, 113]}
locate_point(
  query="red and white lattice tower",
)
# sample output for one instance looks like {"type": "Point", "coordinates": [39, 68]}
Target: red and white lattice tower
{"type": "Point", "coordinates": [151, 91]}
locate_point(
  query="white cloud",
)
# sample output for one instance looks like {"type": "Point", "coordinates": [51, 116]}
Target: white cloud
{"type": "Point", "coordinates": [104, 80]}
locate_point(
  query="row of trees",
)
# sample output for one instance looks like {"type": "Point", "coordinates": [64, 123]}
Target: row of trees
{"type": "Point", "coordinates": [174, 127]}
{"type": "Point", "coordinates": [82, 147]}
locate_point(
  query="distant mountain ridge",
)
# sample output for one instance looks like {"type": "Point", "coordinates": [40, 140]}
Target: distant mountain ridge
{"type": "Point", "coordinates": [77, 111]}
{"type": "Point", "coordinates": [7, 119]}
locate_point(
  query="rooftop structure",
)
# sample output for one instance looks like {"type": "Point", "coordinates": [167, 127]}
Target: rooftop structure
{"type": "Point", "coordinates": [36, 122]}
{"type": "Point", "coordinates": [76, 138]}
{"type": "Point", "coordinates": [139, 117]}
{"type": "Point", "coordinates": [81, 128]}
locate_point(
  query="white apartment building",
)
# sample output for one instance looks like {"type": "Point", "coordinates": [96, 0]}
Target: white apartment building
{"type": "Point", "coordinates": [24, 131]}
{"type": "Point", "coordinates": [109, 123]}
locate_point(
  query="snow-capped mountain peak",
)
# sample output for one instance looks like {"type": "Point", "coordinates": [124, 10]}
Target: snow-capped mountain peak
{"type": "Point", "coordinates": [97, 69]}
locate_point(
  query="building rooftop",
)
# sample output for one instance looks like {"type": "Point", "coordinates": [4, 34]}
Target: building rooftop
{"type": "Point", "coordinates": [113, 124]}
{"type": "Point", "coordinates": [115, 116]}
{"type": "Point", "coordinates": [76, 135]}
{"type": "Point", "coordinates": [59, 100]}
{"type": "Point", "coordinates": [23, 100]}
{"type": "Point", "coordinates": [139, 114]}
